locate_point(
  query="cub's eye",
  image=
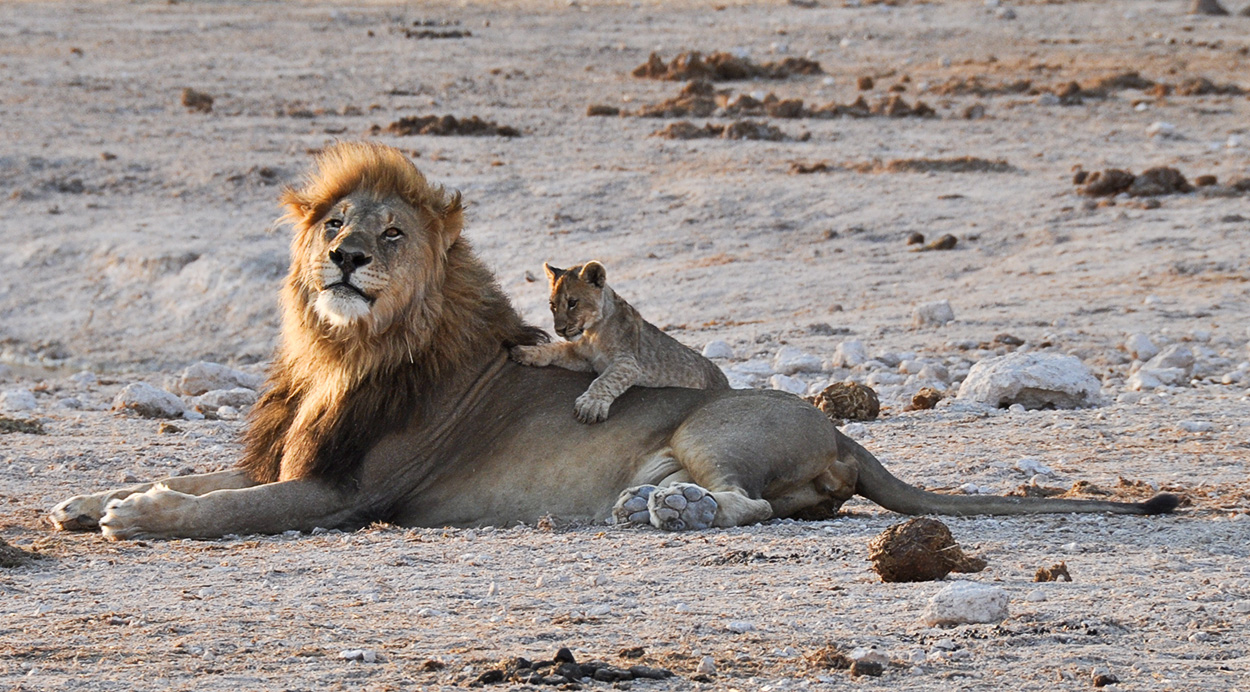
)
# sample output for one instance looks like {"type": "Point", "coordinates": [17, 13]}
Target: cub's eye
{"type": "Point", "coordinates": [572, 303]}
{"type": "Point", "coordinates": [333, 224]}
{"type": "Point", "coordinates": [392, 233]}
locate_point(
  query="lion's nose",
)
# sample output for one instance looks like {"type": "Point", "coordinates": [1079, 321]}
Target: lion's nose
{"type": "Point", "coordinates": [349, 261]}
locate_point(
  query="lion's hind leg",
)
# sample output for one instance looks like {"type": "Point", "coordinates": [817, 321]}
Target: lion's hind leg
{"type": "Point", "coordinates": [83, 512]}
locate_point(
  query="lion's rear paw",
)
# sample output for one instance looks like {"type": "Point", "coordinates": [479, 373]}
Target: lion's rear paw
{"type": "Point", "coordinates": [681, 507]}
{"type": "Point", "coordinates": [80, 513]}
{"type": "Point", "coordinates": [152, 513]}
{"type": "Point", "coordinates": [631, 506]}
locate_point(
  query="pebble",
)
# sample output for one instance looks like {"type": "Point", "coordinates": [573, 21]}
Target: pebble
{"type": "Point", "coordinates": [148, 401]}
{"type": "Point", "coordinates": [1200, 636]}
{"type": "Point", "coordinates": [192, 414]}
{"type": "Point", "coordinates": [1195, 426]}
{"type": "Point", "coordinates": [227, 413]}
{"type": "Point", "coordinates": [1033, 466]}
{"type": "Point", "coordinates": [17, 400]}
{"type": "Point", "coordinates": [205, 377]}
{"type": "Point", "coordinates": [790, 360]}
{"type": "Point", "coordinates": [237, 397]}
{"type": "Point", "coordinates": [717, 349]}
{"type": "Point", "coordinates": [934, 314]}
{"type": "Point", "coordinates": [966, 602]}
{"type": "Point", "coordinates": [85, 378]}
{"type": "Point", "coordinates": [856, 431]}
{"type": "Point", "coordinates": [1160, 128]}
{"type": "Point", "coordinates": [1047, 99]}
{"type": "Point", "coordinates": [707, 666]}
{"type": "Point", "coordinates": [849, 353]}
{"type": "Point", "coordinates": [1033, 380]}
{"type": "Point", "coordinates": [740, 627]}
{"type": "Point", "coordinates": [787, 384]}
{"type": "Point", "coordinates": [365, 655]}
{"type": "Point", "coordinates": [1140, 347]}
{"type": "Point", "coordinates": [1036, 596]}
{"type": "Point", "coordinates": [1005, 13]}
{"type": "Point", "coordinates": [69, 402]}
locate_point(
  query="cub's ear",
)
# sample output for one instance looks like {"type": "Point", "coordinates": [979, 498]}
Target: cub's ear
{"type": "Point", "coordinates": [553, 273]}
{"type": "Point", "coordinates": [594, 273]}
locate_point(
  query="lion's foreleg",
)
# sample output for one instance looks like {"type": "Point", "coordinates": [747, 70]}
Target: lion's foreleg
{"type": "Point", "coordinates": [162, 512]}
{"type": "Point", "coordinates": [593, 405]}
{"type": "Point", "coordinates": [83, 512]}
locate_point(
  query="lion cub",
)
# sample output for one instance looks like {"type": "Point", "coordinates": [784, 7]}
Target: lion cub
{"type": "Point", "coordinates": [606, 335]}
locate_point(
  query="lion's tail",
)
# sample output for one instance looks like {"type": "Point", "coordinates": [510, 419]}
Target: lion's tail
{"type": "Point", "coordinates": [879, 485]}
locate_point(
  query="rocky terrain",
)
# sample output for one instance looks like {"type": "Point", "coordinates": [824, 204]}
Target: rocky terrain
{"type": "Point", "coordinates": [1079, 317]}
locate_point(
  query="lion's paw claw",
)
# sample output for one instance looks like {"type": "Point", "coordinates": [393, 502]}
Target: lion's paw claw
{"type": "Point", "coordinates": [631, 506]}
{"type": "Point", "coordinates": [682, 507]}
{"type": "Point", "coordinates": [80, 513]}
{"type": "Point", "coordinates": [591, 410]}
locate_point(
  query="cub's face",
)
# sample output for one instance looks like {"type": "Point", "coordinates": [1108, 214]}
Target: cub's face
{"type": "Point", "coordinates": [576, 302]}
{"type": "Point", "coordinates": [366, 259]}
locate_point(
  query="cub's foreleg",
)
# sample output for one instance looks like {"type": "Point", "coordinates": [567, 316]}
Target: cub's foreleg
{"type": "Point", "coordinates": [593, 405]}
{"type": "Point", "coordinates": [562, 355]}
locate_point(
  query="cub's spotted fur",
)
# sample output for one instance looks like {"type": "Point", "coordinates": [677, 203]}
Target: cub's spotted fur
{"type": "Point", "coordinates": [606, 335]}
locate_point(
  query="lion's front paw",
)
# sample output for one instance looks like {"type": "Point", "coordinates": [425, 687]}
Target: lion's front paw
{"type": "Point", "coordinates": [151, 514]}
{"type": "Point", "coordinates": [79, 513]}
{"type": "Point", "coordinates": [535, 356]}
{"type": "Point", "coordinates": [682, 507]}
{"type": "Point", "coordinates": [591, 410]}
{"type": "Point", "coordinates": [631, 506]}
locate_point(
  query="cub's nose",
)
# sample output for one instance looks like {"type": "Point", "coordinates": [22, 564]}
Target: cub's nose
{"type": "Point", "coordinates": [349, 261]}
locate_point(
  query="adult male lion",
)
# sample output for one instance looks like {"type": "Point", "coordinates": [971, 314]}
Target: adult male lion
{"type": "Point", "coordinates": [392, 397]}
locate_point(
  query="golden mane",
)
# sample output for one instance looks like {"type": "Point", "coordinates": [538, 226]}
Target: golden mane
{"type": "Point", "coordinates": [332, 394]}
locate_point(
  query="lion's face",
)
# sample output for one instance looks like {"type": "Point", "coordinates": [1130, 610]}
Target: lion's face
{"type": "Point", "coordinates": [576, 298]}
{"type": "Point", "coordinates": [365, 258]}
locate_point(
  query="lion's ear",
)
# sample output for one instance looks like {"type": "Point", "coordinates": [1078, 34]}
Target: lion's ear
{"type": "Point", "coordinates": [298, 207]}
{"type": "Point", "coordinates": [453, 218]}
{"type": "Point", "coordinates": [594, 273]}
{"type": "Point", "coordinates": [553, 273]}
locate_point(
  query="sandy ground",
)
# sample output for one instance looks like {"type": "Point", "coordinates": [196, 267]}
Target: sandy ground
{"type": "Point", "coordinates": [138, 238]}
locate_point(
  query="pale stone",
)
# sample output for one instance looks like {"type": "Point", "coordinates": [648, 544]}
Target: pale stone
{"type": "Point", "coordinates": [1141, 347]}
{"type": "Point", "coordinates": [205, 377]}
{"type": "Point", "coordinates": [849, 353]}
{"type": "Point", "coordinates": [1032, 467]}
{"type": "Point", "coordinates": [966, 602]}
{"type": "Point", "coordinates": [17, 400]}
{"type": "Point", "coordinates": [1195, 426]}
{"type": "Point", "coordinates": [717, 349]}
{"type": "Point", "coordinates": [148, 401]}
{"type": "Point", "coordinates": [933, 314]}
{"type": "Point", "coordinates": [1033, 380]}
{"type": "Point", "coordinates": [239, 397]}
{"type": "Point", "coordinates": [790, 360]}
{"type": "Point", "coordinates": [787, 384]}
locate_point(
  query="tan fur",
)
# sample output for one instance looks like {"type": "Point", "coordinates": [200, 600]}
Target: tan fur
{"type": "Point", "coordinates": [392, 398]}
{"type": "Point", "coordinates": [607, 335]}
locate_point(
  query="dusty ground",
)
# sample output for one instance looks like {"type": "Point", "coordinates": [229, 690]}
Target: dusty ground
{"type": "Point", "coordinates": [137, 239]}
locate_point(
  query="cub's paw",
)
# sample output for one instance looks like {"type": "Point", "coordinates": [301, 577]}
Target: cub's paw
{"type": "Point", "coordinates": [535, 356]}
{"type": "Point", "coordinates": [151, 514]}
{"type": "Point", "coordinates": [591, 410]}
{"type": "Point", "coordinates": [631, 506]}
{"type": "Point", "coordinates": [79, 513]}
{"type": "Point", "coordinates": [681, 507]}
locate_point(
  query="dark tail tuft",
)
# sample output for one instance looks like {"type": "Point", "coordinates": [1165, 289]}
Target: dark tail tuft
{"type": "Point", "coordinates": [1163, 503]}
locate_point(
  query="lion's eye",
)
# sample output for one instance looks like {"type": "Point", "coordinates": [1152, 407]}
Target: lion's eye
{"type": "Point", "coordinates": [333, 224]}
{"type": "Point", "coordinates": [392, 233]}
{"type": "Point", "coordinates": [572, 303]}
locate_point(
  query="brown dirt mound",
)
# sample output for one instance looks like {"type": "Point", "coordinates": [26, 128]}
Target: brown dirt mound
{"type": "Point", "coordinates": [12, 556]}
{"type": "Point", "coordinates": [961, 164]}
{"type": "Point", "coordinates": [743, 129]}
{"type": "Point", "coordinates": [697, 99]}
{"type": "Point", "coordinates": [1053, 573]}
{"type": "Point", "coordinates": [921, 549]}
{"type": "Point", "coordinates": [925, 399]}
{"type": "Point", "coordinates": [564, 670]}
{"type": "Point", "coordinates": [446, 126]}
{"type": "Point", "coordinates": [1152, 182]}
{"type": "Point", "coordinates": [197, 101]}
{"type": "Point", "coordinates": [721, 67]}
{"type": "Point", "coordinates": [848, 401]}
{"type": "Point", "coordinates": [978, 85]}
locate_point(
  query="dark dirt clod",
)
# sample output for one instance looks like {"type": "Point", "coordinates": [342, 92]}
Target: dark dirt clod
{"type": "Point", "coordinates": [1079, 177]}
{"type": "Point", "coordinates": [632, 652]}
{"type": "Point", "coordinates": [564, 670]}
{"type": "Point", "coordinates": [17, 425]}
{"type": "Point", "coordinates": [915, 238]}
{"type": "Point", "coordinates": [944, 242]}
{"type": "Point", "coordinates": [1106, 183]}
{"type": "Point", "coordinates": [601, 109]}
{"type": "Point", "coordinates": [1159, 181]}
{"type": "Point", "coordinates": [437, 33]}
{"type": "Point", "coordinates": [921, 549]}
{"type": "Point", "coordinates": [1053, 573]}
{"type": "Point", "coordinates": [798, 168]}
{"type": "Point", "coordinates": [1105, 679]}
{"type": "Point", "coordinates": [924, 399]}
{"type": "Point", "coordinates": [1205, 180]}
{"type": "Point", "coordinates": [743, 129]}
{"type": "Point", "coordinates": [696, 99]}
{"type": "Point", "coordinates": [829, 657]}
{"type": "Point", "coordinates": [197, 101]}
{"type": "Point", "coordinates": [720, 67]}
{"type": "Point", "coordinates": [445, 126]}
{"type": "Point", "coordinates": [864, 83]}
{"type": "Point", "coordinates": [871, 668]}
{"type": "Point", "coordinates": [848, 401]}
{"type": "Point", "coordinates": [12, 556]}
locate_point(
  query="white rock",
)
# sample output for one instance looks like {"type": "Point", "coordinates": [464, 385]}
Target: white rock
{"type": "Point", "coordinates": [1140, 347]}
{"type": "Point", "coordinates": [740, 626]}
{"type": "Point", "coordinates": [790, 360]}
{"type": "Point", "coordinates": [849, 353]}
{"type": "Point", "coordinates": [86, 378]}
{"type": "Point", "coordinates": [867, 655]}
{"type": "Point", "coordinates": [787, 384]}
{"type": "Point", "coordinates": [1174, 356]}
{"type": "Point", "coordinates": [1033, 380]}
{"type": "Point", "coordinates": [1032, 466]}
{"type": "Point", "coordinates": [192, 414]}
{"type": "Point", "coordinates": [1160, 128]}
{"type": "Point", "coordinates": [739, 380]}
{"type": "Point", "coordinates": [855, 431]}
{"type": "Point", "coordinates": [148, 401]}
{"type": "Point", "coordinates": [17, 400]}
{"type": "Point", "coordinates": [239, 397]}
{"type": "Point", "coordinates": [934, 371]}
{"type": "Point", "coordinates": [1047, 99]}
{"type": "Point", "coordinates": [365, 655]}
{"type": "Point", "coordinates": [227, 413]}
{"type": "Point", "coordinates": [718, 349]}
{"type": "Point", "coordinates": [707, 666]}
{"type": "Point", "coordinates": [882, 378]}
{"type": "Point", "coordinates": [970, 489]}
{"type": "Point", "coordinates": [1036, 596]}
{"type": "Point", "coordinates": [205, 377]}
{"type": "Point", "coordinates": [966, 602]}
{"type": "Point", "coordinates": [1195, 426]}
{"type": "Point", "coordinates": [755, 366]}
{"type": "Point", "coordinates": [933, 314]}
